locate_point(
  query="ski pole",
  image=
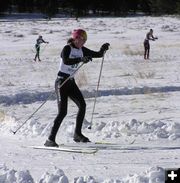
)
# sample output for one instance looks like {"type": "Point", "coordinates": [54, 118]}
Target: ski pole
{"type": "Point", "coordinates": [15, 131]}
{"type": "Point", "coordinates": [44, 48]}
{"type": "Point", "coordinates": [90, 126]}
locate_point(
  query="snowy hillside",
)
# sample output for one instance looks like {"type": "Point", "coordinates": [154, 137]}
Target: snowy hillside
{"type": "Point", "coordinates": [138, 101]}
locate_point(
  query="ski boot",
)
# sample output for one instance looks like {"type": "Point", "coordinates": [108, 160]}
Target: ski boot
{"type": "Point", "coordinates": [80, 138]}
{"type": "Point", "coordinates": [50, 143]}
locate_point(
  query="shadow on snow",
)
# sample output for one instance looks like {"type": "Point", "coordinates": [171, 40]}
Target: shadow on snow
{"type": "Point", "coordinates": [28, 98]}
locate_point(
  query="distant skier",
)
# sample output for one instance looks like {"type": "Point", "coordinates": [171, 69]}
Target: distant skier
{"type": "Point", "coordinates": [72, 54]}
{"type": "Point", "coordinates": [149, 36]}
{"type": "Point", "coordinates": [39, 41]}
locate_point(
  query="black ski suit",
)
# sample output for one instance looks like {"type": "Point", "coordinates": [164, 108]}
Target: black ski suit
{"type": "Point", "coordinates": [37, 46]}
{"type": "Point", "coordinates": [70, 58]}
{"type": "Point", "coordinates": [149, 36]}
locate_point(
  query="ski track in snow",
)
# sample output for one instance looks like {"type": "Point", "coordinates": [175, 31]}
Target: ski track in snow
{"type": "Point", "coordinates": [137, 100]}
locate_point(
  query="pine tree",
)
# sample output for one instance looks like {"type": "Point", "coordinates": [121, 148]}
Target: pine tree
{"type": "Point", "coordinates": [47, 7]}
{"type": "Point", "coordinates": [4, 5]}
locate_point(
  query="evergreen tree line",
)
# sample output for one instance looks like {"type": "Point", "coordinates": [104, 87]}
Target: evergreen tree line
{"type": "Point", "coordinates": [94, 7]}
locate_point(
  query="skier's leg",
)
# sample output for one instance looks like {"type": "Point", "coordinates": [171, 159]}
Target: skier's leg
{"type": "Point", "coordinates": [38, 54]}
{"type": "Point", "coordinates": [35, 57]}
{"type": "Point", "coordinates": [36, 46]}
{"type": "Point", "coordinates": [62, 98]}
{"type": "Point", "coordinates": [148, 53]}
{"type": "Point", "coordinates": [148, 50]}
{"type": "Point", "coordinates": [78, 98]}
{"type": "Point", "coordinates": [145, 53]}
{"type": "Point", "coordinates": [145, 50]}
{"type": "Point", "coordinates": [62, 107]}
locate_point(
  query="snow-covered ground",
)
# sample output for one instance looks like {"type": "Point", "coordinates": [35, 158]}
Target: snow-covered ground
{"type": "Point", "coordinates": [138, 100]}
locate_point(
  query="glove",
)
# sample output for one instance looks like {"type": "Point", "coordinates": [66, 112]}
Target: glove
{"type": "Point", "coordinates": [105, 47]}
{"type": "Point", "coordinates": [86, 59]}
{"type": "Point", "coordinates": [155, 38]}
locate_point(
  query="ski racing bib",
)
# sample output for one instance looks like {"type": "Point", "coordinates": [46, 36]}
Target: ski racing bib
{"type": "Point", "coordinates": [70, 69]}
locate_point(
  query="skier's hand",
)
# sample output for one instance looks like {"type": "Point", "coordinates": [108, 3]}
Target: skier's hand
{"type": "Point", "coordinates": [105, 47]}
{"type": "Point", "coordinates": [86, 59]}
{"type": "Point", "coordinates": [154, 39]}
{"type": "Point", "coordinates": [47, 42]}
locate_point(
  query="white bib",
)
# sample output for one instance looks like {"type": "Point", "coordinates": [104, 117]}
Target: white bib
{"type": "Point", "coordinates": [70, 69]}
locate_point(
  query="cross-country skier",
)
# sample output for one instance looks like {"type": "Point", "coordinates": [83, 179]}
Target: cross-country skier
{"type": "Point", "coordinates": [72, 54]}
{"type": "Point", "coordinates": [39, 41]}
{"type": "Point", "coordinates": [149, 36]}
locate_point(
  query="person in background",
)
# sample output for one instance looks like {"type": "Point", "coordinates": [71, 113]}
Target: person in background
{"type": "Point", "coordinates": [39, 41]}
{"type": "Point", "coordinates": [72, 55]}
{"type": "Point", "coordinates": [149, 36]}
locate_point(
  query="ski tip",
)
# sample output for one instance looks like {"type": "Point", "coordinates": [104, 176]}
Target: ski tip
{"type": "Point", "coordinates": [14, 132]}
{"type": "Point", "coordinates": [89, 127]}
{"type": "Point", "coordinates": [68, 149]}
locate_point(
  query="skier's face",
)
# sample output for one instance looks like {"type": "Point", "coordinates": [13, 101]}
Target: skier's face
{"type": "Point", "coordinates": [79, 42]}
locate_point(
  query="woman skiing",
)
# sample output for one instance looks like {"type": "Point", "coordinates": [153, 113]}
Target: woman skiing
{"type": "Point", "coordinates": [149, 36]}
{"type": "Point", "coordinates": [72, 54]}
{"type": "Point", "coordinates": [39, 41]}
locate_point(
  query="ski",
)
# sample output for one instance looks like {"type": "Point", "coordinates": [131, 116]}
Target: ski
{"type": "Point", "coordinates": [111, 143]}
{"type": "Point", "coordinates": [87, 148]}
{"type": "Point", "coordinates": [99, 145]}
{"type": "Point", "coordinates": [118, 147]}
{"type": "Point", "coordinates": [68, 149]}
{"type": "Point", "coordinates": [92, 148]}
